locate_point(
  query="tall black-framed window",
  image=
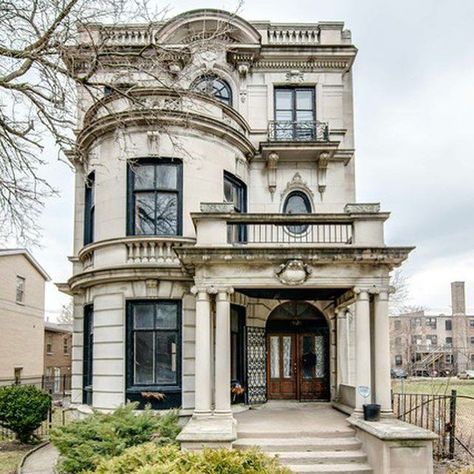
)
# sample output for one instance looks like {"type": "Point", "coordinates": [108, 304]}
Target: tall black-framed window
{"type": "Point", "coordinates": [89, 209]}
{"type": "Point", "coordinates": [295, 113]}
{"type": "Point", "coordinates": [88, 354]}
{"type": "Point", "coordinates": [213, 85]}
{"type": "Point", "coordinates": [154, 352]}
{"type": "Point", "coordinates": [155, 197]}
{"type": "Point", "coordinates": [235, 192]}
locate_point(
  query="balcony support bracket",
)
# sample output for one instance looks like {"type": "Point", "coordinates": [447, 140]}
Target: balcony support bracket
{"type": "Point", "coordinates": [272, 164]}
{"type": "Point", "coordinates": [323, 162]}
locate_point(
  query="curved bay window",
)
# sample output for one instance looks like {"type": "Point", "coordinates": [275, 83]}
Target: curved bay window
{"type": "Point", "coordinates": [154, 197]}
{"type": "Point", "coordinates": [154, 352]}
{"type": "Point", "coordinates": [297, 202]}
{"type": "Point", "coordinates": [214, 86]}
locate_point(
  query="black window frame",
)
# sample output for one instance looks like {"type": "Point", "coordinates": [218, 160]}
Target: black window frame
{"type": "Point", "coordinates": [172, 392]}
{"type": "Point", "coordinates": [131, 201]}
{"type": "Point", "coordinates": [88, 354]}
{"type": "Point", "coordinates": [89, 208]}
{"type": "Point", "coordinates": [297, 133]}
{"type": "Point", "coordinates": [210, 79]}
{"type": "Point", "coordinates": [297, 229]}
{"type": "Point", "coordinates": [236, 233]}
{"type": "Point", "coordinates": [448, 325]}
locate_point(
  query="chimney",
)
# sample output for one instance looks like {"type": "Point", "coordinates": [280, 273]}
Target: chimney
{"type": "Point", "coordinates": [458, 300]}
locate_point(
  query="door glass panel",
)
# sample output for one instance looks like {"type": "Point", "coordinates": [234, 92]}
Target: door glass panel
{"type": "Point", "coordinates": [320, 359]}
{"type": "Point", "coordinates": [304, 99]}
{"type": "Point", "coordinates": [286, 357]}
{"type": "Point", "coordinates": [284, 99]}
{"type": "Point", "coordinates": [166, 316]}
{"type": "Point", "coordinates": [309, 357]}
{"type": "Point", "coordinates": [274, 357]}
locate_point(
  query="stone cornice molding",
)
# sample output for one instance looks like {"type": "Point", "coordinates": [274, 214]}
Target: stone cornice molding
{"type": "Point", "coordinates": [164, 118]}
{"type": "Point", "coordinates": [380, 256]}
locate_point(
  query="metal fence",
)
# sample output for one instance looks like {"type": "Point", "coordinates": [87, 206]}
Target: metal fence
{"type": "Point", "coordinates": [451, 417]}
{"type": "Point", "coordinates": [58, 386]}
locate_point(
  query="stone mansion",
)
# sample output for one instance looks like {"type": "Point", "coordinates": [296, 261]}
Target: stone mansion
{"type": "Point", "coordinates": [218, 242]}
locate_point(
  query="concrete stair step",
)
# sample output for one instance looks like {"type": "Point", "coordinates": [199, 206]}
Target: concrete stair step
{"type": "Point", "coordinates": [321, 457]}
{"type": "Point", "coordinates": [330, 468]}
{"type": "Point", "coordinates": [345, 433]}
{"type": "Point", "coordinates": [303, 444]}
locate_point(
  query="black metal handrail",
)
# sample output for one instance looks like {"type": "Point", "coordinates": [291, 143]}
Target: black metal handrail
{"type": "Point", "coordinates": [298, 130]}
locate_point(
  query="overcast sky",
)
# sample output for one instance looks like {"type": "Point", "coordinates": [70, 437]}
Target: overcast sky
{"type": "Point", "coordinates": [414, 106]}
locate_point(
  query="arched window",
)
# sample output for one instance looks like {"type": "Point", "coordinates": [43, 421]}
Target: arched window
{"type": "Point", "coordinates": [297, 202]}
{"type": "Point", "coordinates": [214, 86]}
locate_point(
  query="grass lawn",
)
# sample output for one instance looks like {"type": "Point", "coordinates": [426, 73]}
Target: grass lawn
{"type": "Point", "coordinates": [434, 386]}
{"type": "Point", "coordinates": [11, 453]}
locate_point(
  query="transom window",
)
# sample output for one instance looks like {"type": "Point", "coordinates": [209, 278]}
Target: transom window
{"type": "Point", "coordinates": [214, 86]}
{"type": "Point", "coordinates": [154, 343]}
{"type": "Point", "coordinates": [295, 113]}
{"type": "Point", "coordinates": [155, 197]}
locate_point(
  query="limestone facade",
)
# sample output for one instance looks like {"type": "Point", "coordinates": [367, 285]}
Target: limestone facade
{"type": "Point", "coordinates": [253, 259]}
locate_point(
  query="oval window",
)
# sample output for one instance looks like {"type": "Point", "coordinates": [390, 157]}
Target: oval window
{"type": "Point", "coordinates": [297, 203]}
{"type": "Point", "coordinates": [214, 86]}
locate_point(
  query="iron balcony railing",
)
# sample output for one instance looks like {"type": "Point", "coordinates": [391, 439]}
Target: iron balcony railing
{"type": "Point", "coordinates": [299, 131]}
{"type": "Point", "coordinates": [289, 231]}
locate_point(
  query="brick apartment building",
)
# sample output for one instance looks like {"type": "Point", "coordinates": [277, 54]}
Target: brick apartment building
{"type": "Point", "coordinates": [57, 355]}
{"type": "Point", "coordinates": [434, 344]}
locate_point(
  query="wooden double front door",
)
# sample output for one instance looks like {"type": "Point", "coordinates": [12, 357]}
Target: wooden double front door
{"type": "Point", "coordinates": [297, 366]}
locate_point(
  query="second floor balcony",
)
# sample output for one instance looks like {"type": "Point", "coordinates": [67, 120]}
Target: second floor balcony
{"type": "Point", "coordinates": [298, 131]}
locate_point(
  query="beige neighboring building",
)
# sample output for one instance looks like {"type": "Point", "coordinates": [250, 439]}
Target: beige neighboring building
{"type": "Point", "coordinates": [22, 292]}
{"type": "Point", "coordinates": [218, 238]}
{"type": "Point", "coordinates": [427, 344]}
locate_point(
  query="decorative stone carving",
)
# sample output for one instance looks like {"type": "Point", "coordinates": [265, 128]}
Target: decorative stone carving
{"type": "Point", "coordinates": [208, 58]}
{"type": "Point", "coordinates": [362, 208]}
{"type": "Point", "coordinates": [272, 162]}
{"type": "Point", "coordinates": [293, 272]}
{"type": "Point", "coordinates": [243, 96]}
{"type": "Point", "coordinates": [295, 75]}
{"type": "Point", "coordinates": [297, 184]}
{"type": "Point", "coordinates": [322, 171]}
{"type": "Point", "coordinates": [153, 142]}
{"type": "Point", "coordinates": [243, 69]}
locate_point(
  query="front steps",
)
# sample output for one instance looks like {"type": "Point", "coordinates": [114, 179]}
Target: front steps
{"type": "Point", "coordinates": [332, 452]}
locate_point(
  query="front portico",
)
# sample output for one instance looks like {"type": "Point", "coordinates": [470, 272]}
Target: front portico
{"type": "Point", "coordinates": [316, 316]}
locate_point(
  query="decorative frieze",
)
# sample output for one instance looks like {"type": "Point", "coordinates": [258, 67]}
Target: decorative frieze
{"type": "Point", "coordinates": [217, 207]}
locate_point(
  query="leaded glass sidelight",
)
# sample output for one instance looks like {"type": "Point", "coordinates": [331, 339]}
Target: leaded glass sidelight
{"type": "Point", "coordinates": [275, 357]}
{"type": "Point", "coordinates": [155, 197]}
{"type": "Point", "coordinates": [320, 356]}
{"type": "Point", "coordinates": [286, 357]}
{"type": "Point", "coordinates": [212, 85]}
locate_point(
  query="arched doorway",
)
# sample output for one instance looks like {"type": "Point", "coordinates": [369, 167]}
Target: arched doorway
{"type": "Point", "coordinates": [297, 353]}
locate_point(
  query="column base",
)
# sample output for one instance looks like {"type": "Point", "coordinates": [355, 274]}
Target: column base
{"type": "Point", "coordinates": [208, 432]}
{"type": "Point", "coordinates": [202, 414]}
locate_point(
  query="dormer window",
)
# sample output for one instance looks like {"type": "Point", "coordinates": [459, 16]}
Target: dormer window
{"type": "Point", "coordinates": [214, 86]}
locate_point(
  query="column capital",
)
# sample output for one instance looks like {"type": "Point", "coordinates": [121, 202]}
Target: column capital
{"type": "Point", "coordinates": [361, 293]}
{"type": "Point", "coordinates": [223, 293]}
{"type": "Point", "coordinates": [206, 289]}
{"type": "Point", "coordinates": [382, 294]}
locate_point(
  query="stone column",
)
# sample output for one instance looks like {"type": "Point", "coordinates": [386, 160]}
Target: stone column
{"type": "Point", "coordinates": [202, 406]}
{"type": "Point", "coordinates": [362, 349]}
{"type": "Point", "coordinates": [342, 347]}
{"type": "Point", "coordinates": [222, 354]}
{"type": "Point", "coordinates": [382, 353]}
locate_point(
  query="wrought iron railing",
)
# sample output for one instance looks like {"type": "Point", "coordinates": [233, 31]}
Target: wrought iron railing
{"type": "Point", "coordinates": [298, 130]}
{"type": "Point", "coordinates": [289, 231]}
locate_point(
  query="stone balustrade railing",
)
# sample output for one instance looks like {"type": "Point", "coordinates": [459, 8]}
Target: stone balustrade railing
{"type": "Point", "coordinates": [136, 250]}
{"type": "Point", "coordinates": [292, 35]}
